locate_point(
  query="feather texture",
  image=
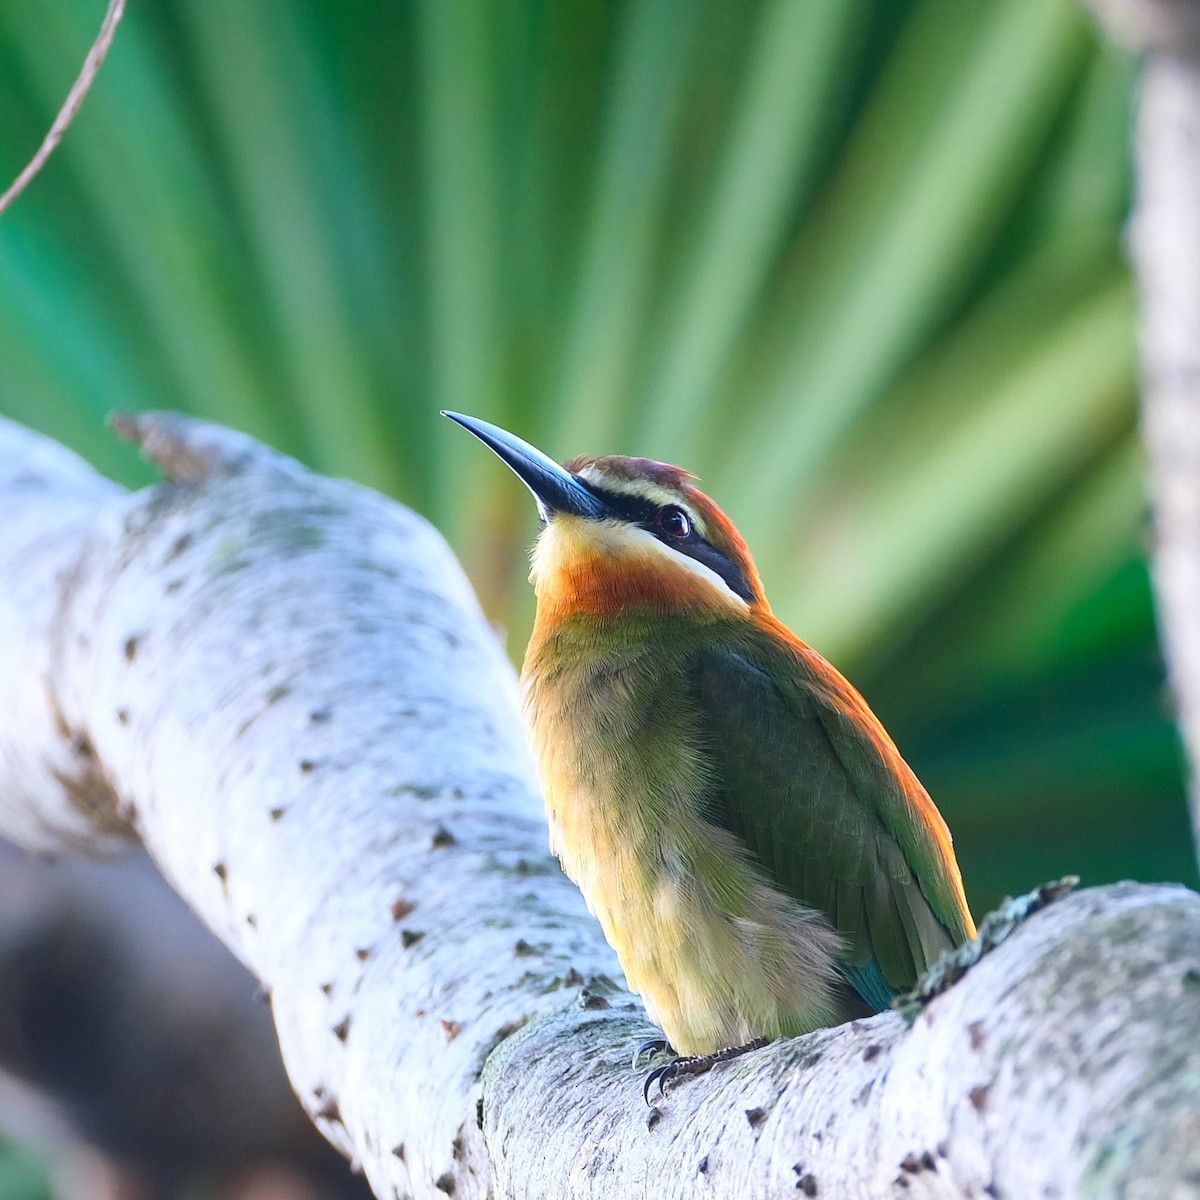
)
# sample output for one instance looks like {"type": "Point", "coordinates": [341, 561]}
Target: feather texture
{"type": "Point", "coordinates": [810, 776]}
{"type": "Point", "coordinates": [758, 853]}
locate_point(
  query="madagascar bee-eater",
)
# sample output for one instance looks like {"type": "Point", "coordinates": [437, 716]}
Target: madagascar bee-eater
{"type": "Point", "coordinates": [759, 855]}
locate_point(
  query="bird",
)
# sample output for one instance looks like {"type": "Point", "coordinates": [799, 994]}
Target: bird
{"type": "Point", "coordinates": [758, 853]}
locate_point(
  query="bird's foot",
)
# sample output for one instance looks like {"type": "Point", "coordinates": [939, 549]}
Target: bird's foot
{"type": "Point", "coordinates": [651, 1047]}
{"type": "Point", "coordinates": [697, 1064]}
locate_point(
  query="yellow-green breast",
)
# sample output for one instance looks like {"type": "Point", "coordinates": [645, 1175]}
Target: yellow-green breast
{"type": "Point", "coordinates": [717, 953]}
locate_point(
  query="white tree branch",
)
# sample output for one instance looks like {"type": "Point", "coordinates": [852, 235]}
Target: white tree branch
{"type": "Point", "coordinates": [283, 685]}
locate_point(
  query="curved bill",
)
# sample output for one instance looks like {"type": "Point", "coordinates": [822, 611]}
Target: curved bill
{"type": "Point", "coordinates": [554, 489]}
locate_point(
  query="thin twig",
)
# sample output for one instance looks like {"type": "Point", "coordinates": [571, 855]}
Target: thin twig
{"type": "Point", "coordinates": [70, 107]}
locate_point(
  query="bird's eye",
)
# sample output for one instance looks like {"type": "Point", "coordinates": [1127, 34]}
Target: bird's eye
{"type": "Point", "coordinates": [674, 522]}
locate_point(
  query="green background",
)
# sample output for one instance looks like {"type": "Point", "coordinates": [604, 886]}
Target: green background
{"type": "Point", "coordinates": [855, 262]}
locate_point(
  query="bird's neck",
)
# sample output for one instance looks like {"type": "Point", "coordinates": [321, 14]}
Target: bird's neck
{"type": "Point", "coordinates": [581, 569]}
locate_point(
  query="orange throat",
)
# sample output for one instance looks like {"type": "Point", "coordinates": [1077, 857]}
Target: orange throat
{"type": "Point", "coordinates": [599, 570]}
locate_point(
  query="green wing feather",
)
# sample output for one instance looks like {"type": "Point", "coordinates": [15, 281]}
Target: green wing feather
{"type": "Point", "coordinates": [815, 787]}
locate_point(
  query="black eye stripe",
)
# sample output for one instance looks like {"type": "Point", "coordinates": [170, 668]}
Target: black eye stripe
{"type": "Point", "coordinates": [644, 513]}
{"type": "Point", "coordinates": [635, 509]}
{"type": "Point", "coordinates": [714, 560]}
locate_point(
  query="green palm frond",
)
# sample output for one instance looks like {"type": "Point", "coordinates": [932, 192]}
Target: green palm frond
{"type": "Point", "coordinates": [856, 262]}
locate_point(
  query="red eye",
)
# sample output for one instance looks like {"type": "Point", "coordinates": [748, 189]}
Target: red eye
{"type": "Point", "coordinates": [674, 522]}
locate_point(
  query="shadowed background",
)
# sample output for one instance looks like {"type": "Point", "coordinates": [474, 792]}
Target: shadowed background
{"type": "Point", "coordinates": [857, 263]}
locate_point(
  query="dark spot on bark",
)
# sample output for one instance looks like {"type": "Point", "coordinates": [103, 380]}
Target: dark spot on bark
{"type": "Point", "coordinates": [806, 1184]}
{"type": "Point", "coordinates": [341, 1030]}
{"type": "Point", "coordinates": [252, 920]}
{"type": "Point", "coordinates": [329, 1111]}
{"type": "Point", "coordinates": [458, 1147]}
{"type": "Point", "coordinates": [458, 793]}
{"type": "Point", "coordinates": [523, 949]}
{"type": "Point", "coordinates": [327, 988]}
{"type": "Point", "coordinates": [572, 978]}
{"type": "Point", "coordinates": [479, 1113]}
{"type": "Point", "coordinates": [914, 1163]}
{"type": "Point", "coordinates": [173, 586]}
{"type": "Point", "coordinates": [278, 692]}
{"type": "Point", "coordinates": [452, 1029]}
{"type": "Point", "coordinates": [445, 1183]}
{"type": "Point", "coordinates": [131, 648]}
{"type": "Point", "coordinates": [221, 871]}
{"type": "Point", "coordinates": [307, 766]}
{"type": "Point", "coordinates": [442, 837]}
{"type": "Point", "coordinates": [990, 1189]}
{"type": "Point", "coordinates": [362, 953]}
{"type": "Point", "coordinates": [702, 1165]}
{"type": "Point", "coordinates": [401, 908]}
{"type": "Point", "coordinates": [318, 1091]}
{"type": "Point", "coordinates": [975, 1033]}
{"type": "Point", "coordinates": [1191, 978]}
{"type": "Point", "coordinates": [319, 716]}
{"type": "Point", "coordinates": [756, 1116]}
{"type": "Point", "coordinates": [902, 1183]}
{"type": "Point", "coordinates": [263, 995]}
{"type": "Point", "coordinates": [978, 1097]}
{"type": "Point", "coordinates": [410, 937]}
{"type": "Point", "coordinates": [123, 715]}
{"type": "Point", "coordinates": [871, 1053]}
{"type": "Point", "coordinates": [398, 1151]}
{"type": "Point", "coordinates": [418, 791]}
{"type": "Point", "coordinates": [178, 546]}
{"type": "Point", "coordinates": [594, 1002]}
{"type": "Point", "coordinates": [81, 745]}
{"type": "Point", "coordinates": [654, 1118]}
{"type": "Point", "coordinates": [277, 813]}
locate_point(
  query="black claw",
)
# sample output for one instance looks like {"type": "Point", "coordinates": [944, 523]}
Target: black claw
{"type": "Point", "coordinates": [661, 1076]}
{"type": "Point", "coordinates": [653, 1046]}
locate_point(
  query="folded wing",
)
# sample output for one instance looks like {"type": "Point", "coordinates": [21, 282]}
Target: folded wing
{"type": "Point", "coordinates": [810, 780]}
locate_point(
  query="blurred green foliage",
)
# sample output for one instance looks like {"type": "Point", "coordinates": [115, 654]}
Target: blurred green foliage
{"type": "Point", "coordinates": [856, 262]}
{"type": "Point", "coordinates": [22, 1177]}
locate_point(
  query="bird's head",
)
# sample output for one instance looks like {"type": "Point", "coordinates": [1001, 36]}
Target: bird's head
{"type": "Point", "coordinates": [626, 532]}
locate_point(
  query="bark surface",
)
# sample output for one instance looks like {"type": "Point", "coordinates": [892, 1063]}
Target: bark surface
{"type": "Point", "coordinates": [283, 686]}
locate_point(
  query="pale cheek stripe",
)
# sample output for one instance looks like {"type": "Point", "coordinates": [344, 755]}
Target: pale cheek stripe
{"type": "Point", "coordinates": [647, 541]}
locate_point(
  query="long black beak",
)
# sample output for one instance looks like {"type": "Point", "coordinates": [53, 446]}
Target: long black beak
{"type": "Point", "coordinates": [554, 489]}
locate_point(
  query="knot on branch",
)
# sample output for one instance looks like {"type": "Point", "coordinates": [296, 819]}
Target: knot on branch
{"type": "Point", "coordinates": [187, 450]}
{"type": "Point", "coordinates": [994, 929]}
